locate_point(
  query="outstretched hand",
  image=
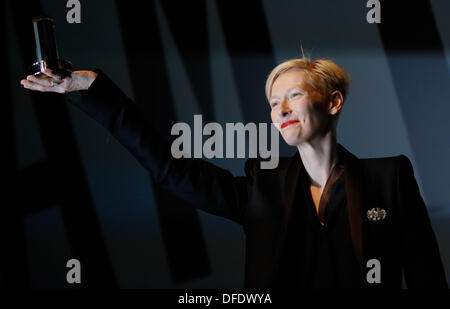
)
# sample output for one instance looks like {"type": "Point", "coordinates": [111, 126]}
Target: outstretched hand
{"type": "Point", "coordinates": [49, 81]}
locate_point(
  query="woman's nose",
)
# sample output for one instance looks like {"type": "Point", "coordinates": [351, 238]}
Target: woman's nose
{"type": "Point", "coordinates": [284, 109]}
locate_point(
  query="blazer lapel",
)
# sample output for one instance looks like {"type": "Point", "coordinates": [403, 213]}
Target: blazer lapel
{"type": "Point", "coordinates": [353, 174]}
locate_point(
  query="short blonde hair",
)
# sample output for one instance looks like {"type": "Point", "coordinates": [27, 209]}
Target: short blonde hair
{"type": "Point", "coordinates": [324, 76]}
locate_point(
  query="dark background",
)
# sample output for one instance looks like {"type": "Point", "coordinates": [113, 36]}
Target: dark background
{"type": "Point", "coordinates": [72, 191]}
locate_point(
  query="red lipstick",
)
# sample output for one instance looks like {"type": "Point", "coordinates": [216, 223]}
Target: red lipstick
{"type": "Point", "coordinates": [288, 123]}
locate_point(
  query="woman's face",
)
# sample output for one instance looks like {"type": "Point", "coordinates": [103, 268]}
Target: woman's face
{"type": "Point", "coordinates": [297, 110]}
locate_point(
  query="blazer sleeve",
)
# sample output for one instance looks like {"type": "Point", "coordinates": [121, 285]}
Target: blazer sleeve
{"type": "Point", "coordinates": [422, 265]}
{"type": "Point", "coordinates": [200, 183]}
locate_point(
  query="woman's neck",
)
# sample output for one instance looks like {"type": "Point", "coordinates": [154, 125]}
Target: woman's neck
{"type": "Point", "coordinates": [319, 157]}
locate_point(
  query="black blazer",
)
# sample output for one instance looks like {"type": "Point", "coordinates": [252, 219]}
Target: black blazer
{"type": "Point", "coordinates": [262, 200]}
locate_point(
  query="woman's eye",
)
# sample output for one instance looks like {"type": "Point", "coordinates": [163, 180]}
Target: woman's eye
{"type": "Point", "coordinates": [295, 94]}
{"type": "Point", "coordinates": [274, 104]}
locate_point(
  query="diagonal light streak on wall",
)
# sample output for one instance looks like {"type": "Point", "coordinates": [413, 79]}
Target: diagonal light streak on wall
{"type": "Point", "coordinates": [441, 11]}
{"type": "Point", "coordinates": [225, 96]}
{"type": "Point", "coordinates": [183, 95]}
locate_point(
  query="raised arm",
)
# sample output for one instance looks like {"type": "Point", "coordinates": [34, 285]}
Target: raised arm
{"type": "Point", "coordinates": [200, 183]}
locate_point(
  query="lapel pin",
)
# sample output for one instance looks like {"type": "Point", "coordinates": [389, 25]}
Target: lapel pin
{"type": "Point", "coordinates": [376, 214]}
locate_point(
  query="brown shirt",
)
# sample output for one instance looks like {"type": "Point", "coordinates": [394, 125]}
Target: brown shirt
{"type": "Point", "coordinates": [326, 255]}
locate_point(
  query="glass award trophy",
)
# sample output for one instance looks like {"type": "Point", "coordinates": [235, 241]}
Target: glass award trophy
{"type": "Point", "coordinates": [46, 49]}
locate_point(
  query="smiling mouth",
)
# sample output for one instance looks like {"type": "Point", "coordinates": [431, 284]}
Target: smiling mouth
{"type": "Point", "coordinates": [288, 123]}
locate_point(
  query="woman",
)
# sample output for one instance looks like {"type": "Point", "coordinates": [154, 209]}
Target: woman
{"type": "Point", "coordinates": [322, 218]}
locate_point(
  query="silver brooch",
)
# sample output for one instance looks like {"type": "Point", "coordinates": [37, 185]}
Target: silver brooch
{"type": "Point", "coordinates": [376, 214]}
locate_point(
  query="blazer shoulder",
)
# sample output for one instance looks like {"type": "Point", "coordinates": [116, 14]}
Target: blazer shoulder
{"type": "Point", "coordinates": [387, 165]}
{"type": "Point", "coordinates": [385, 161]}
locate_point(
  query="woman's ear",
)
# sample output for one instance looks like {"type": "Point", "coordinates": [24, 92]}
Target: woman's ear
{"type": "Point", "coordinates": [336, 102]}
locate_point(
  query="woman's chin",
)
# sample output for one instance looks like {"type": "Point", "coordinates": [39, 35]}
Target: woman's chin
{"type": "Point", "coordinates": [292, 140]}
